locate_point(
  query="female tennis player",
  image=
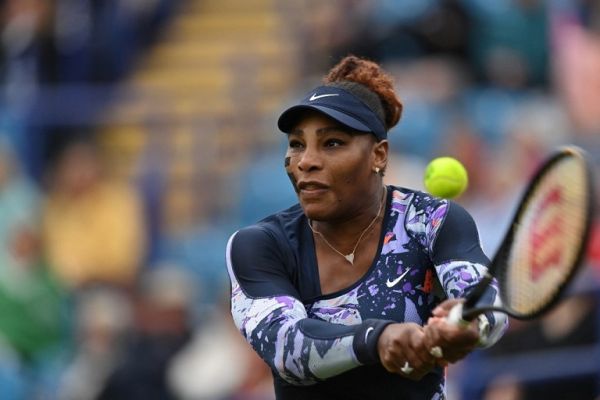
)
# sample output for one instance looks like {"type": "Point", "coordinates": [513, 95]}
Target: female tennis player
{"type": "Point", "coordinates": [345, 294]}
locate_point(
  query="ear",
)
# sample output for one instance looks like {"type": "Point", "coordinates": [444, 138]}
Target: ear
{"type": "Point", "coordinates": [380, 155]}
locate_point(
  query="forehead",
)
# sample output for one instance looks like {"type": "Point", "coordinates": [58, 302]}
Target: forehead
{"type": "Point", "coordinates": [311, 120]}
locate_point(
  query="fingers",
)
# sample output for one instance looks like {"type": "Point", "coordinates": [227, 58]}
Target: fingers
{"type": "Point", "coordinates": [421, 362]}
{"type": "Point", "coordinates": [454, 342]}
{"type": "Point", "coordinates": [413, 367]}
{"type": "Point", "coordinates": [443, 309]}
{"type": "Point", "coordinates": [434, 339]}
{"type": "Point", "coordinates": [413, 351]}
{"type": "Point", "coordinates": [402, 350]}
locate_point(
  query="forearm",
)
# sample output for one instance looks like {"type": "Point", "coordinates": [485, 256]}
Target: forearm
{"type": "Point", "coordinates": [458, 278]}
{"type": "Point", "coordinates": [301, 350]}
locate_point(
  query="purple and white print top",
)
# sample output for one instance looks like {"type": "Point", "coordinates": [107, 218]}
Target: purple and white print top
{"type": "Point", "coordinates": [325, 346]}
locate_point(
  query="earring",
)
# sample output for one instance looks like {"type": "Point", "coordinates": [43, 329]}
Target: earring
{"type": "Point", "coordinates": [376, 170]}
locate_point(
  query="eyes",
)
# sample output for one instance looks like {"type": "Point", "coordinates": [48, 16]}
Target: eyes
{"type": "Point", "coordinates": [327, 143]}
{"type": "Point", "coordinates": [334, 142]}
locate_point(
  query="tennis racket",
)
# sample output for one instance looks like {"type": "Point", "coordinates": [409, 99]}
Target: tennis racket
{"type": "Point", "coordinates": [545, 244]}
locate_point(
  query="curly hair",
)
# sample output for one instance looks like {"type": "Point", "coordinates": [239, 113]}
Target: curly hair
{"type": "Point", "coordinates": [373, 77]}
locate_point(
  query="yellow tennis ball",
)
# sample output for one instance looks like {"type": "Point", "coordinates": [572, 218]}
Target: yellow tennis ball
{"type": "Point", "coordinates": [445, 177]}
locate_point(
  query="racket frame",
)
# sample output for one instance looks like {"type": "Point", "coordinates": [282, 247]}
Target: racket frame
{"type": "Point", "coordinates": [468, 311]}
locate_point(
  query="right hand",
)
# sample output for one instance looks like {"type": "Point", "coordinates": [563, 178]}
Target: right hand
{"type": "Point", "coordinates": [456, 341]}
{"type": "Point", "coordinates": [399, 343]}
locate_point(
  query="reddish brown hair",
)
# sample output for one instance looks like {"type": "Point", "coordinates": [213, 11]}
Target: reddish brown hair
{"type": "Point", "coordinates": [371, 75]}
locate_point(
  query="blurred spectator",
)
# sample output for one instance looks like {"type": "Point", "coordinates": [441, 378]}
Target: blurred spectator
{"type": "Point", "coordinates": [334, 29]}
{"type": "Point", "coordinates": [498, 175]}
{"type": "Point", "coordinates": [431, 90]}
{"type": "Point", "coordinates": [219, 364]}
{"type": "Point", "coordinates": [32, 303]}
{"type": "Point", "coordinates": [576, 41]}
{"type": "Point", "coordinates": [505, 387]}
{"type": "Point", "coordinates": [594, 245]}
{"type": "Point", "coordinates": [19, 202]}
{"type": "Point", "coordinates": [95, 40]}
{"type": "Point", "coordinates": [564, 337]}
{"type": "Point", "coordinates": [22, 22]}
{"type": "Point", "coordinates": [93, 226]}
{"type": "Point", "coordinates": [74, 40]}
{"type": "Point", "coordinates": [163, 326]}
{"type": "Point", "coordinates": [103, 318]}
{"type": "Point", "coordinates": [409, 29]}
{"type": "Point", "coordinates": [508, 44]}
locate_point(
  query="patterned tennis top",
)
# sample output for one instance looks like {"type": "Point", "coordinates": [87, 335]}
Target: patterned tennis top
{"type": "Point", "coordinates": [325, 346]}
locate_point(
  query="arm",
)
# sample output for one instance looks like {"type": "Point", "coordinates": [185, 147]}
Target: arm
{"type": "Point", "coordinates": [460, 264]}
{"type": "Point", "coordinates": [452, 240]}
{"type": "Point", "coordinates": [266, 309]}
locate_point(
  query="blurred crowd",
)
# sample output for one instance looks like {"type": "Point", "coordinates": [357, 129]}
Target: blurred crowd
{"type": "Point", "coordinates": [86, 311]}
{"type": "Point", "coordinates": [95, 304]}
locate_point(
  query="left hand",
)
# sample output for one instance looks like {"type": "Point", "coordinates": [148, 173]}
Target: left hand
{"type": "Point", "coordinates": [455, 341]}
{"type": "Point", "coordinates": [403, 343]}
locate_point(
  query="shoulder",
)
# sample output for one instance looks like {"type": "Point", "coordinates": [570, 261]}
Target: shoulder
{"type": "Point", "coordinates": [265, 253]}
{"type": "Point", "coordinates": [272, 232]}
{"type": "Point", "coordinates": [419, 207]}
{"type": "Point", "coordinates": [424, 214]}
{"type": "Point", "coordinates": [414, 198]}
{"type": "Point", "coordinates": [282, 223]}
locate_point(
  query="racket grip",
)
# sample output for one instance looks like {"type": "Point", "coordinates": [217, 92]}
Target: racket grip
{"type": "Point", "coordinates": [455, 316]}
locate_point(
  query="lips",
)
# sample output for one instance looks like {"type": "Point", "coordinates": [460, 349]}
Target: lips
{"type": "Point", "coordinates": [311, 186]}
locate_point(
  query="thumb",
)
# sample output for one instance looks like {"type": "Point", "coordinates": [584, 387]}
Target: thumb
{"type": "Point", "coordinates": [443, 309]}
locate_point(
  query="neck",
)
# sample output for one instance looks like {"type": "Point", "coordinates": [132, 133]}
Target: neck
{"type": "Point", "coordinates": [343, 232]}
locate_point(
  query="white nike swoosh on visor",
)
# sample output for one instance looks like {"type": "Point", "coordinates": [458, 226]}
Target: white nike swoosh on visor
{"type": "Point", "coordinates": [398, 279]}
{"type": "Point", "coordinates": [315, 96]}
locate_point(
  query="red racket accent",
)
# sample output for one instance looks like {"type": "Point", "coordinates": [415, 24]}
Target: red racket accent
{"type": "Point", "coordinates": [544, 253]}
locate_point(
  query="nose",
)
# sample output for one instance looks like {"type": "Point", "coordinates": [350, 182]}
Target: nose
{"type": "Point", "coordinates": [310, 160]}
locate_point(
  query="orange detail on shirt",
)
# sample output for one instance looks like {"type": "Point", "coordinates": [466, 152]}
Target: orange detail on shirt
{"type": "Point", "coordinates": [387, 237]}
{"type": "Point", "coordinates": [428, 282]}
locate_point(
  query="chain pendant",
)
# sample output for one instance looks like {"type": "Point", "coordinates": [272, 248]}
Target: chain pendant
{"type": "Point", "coordinates": [350, 258]}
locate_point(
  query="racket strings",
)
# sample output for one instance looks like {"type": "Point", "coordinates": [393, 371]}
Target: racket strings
{"type": "Point", "coordinates": [548, 236]}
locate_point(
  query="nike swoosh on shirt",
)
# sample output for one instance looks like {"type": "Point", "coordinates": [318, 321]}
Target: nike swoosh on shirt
{"type": "Point", "coordinates": [393, 283]}
{"type": "Point", "coordinates": [315, 96]}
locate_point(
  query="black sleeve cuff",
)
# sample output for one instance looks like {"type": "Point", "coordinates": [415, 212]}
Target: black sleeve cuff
{"type": "Point", "coordinates": [366, 338]}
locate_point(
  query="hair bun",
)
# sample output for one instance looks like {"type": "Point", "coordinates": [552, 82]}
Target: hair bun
{"type": "Point", "coordinates": [371, 75]}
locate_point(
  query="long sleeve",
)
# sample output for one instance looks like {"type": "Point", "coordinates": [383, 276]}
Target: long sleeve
{"type": "Point", "coordinates": [452, 239]}
{"type": "Point", "coordinates": [266, 309]}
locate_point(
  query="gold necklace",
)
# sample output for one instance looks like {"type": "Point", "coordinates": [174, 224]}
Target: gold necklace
{"type": "Point", "coordinates": [350, 256]}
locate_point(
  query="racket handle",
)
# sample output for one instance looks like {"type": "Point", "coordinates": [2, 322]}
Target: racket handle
{"type": "Point", "coordinates": [455, 316]}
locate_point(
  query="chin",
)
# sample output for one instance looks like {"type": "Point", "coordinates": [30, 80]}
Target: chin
{"type": "Point", "coordinates": [315, 212]}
